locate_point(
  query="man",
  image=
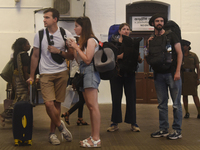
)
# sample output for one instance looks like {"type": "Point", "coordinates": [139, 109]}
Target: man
{"type": "Point", "coordinates": [53, 76]}
{"type": "Point", "coordinates": [169, 78]}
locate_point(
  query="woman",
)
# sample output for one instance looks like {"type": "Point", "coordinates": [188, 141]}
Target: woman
{"type": "Point", "coordinates": [84, 53]}
{"type": "Point", "coordinates": [21, 62]}
{"type": "Point", "coordinates": [126, 80]}
{"type": "Point", "coordinates": [74, 67]}
{"type": "Point", "coordinates": [190, 79]}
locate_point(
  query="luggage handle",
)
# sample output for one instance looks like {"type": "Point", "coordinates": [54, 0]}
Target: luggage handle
{"type": "Point", "coordinates": [31, 92]}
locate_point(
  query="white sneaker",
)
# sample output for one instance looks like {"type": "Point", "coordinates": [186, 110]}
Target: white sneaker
{"type": "Point", "coordinates": [53, 139]}
{"type": "Point", "coordinates": [66, 133]}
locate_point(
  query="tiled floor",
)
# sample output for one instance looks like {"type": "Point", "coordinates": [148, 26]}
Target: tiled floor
{"type": "Point", "coordinates": [123, 139]}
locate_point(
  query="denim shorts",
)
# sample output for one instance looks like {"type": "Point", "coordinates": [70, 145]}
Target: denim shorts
{"type": "Point", "coordinates": [91, 78]}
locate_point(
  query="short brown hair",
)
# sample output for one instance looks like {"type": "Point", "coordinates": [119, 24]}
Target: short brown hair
{"type": "Point", "coordinates": [55, 13]}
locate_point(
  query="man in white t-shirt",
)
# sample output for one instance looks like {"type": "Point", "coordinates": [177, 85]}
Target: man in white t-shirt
{"type": "Point", "coordinates": [53, 75]}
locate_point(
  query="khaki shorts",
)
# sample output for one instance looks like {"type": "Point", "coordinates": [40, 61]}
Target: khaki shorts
{"type": "Point", "coordinates": [53, 86]}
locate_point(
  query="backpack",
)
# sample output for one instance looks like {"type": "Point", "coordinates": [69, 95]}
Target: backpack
{"type": "Point", "coordinates": [130, 47]}
{"type": "Point", "coordinates": [104, 60]}
{"type": "Point", "coordinates": [41, 34]}
{"type": "Point", "coordinates": [159, 58]}
{"type": "Point", "coordinates": [113, 31]}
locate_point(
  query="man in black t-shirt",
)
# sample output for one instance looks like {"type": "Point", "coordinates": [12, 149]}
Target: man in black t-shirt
{"type": "Point", "coordinates": [169, 78]}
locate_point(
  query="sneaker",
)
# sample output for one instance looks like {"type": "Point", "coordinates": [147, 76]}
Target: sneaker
{"type": "Point", "coordinates": [198, 116]}
{"type": "Point", "coordinates": [187, 115]}
{"type": "Point", "coordinates": [174, 135]}
{"type": "Point", "coordinates": [113, 127]}
{"type": "Point", "coordinates": [53, 139]}
{"type": "Point", "coordinates": [135, 128]}
{"type": "Point", "coordinates": [66, 133]}
{"type": "Point", "coordinates": [160, 133]}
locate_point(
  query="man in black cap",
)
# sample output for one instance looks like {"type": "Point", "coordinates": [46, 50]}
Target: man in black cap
{"type": "Point", "coordinates": [190, 74]}
{"type": "Point", "coordinates": [167, 78]}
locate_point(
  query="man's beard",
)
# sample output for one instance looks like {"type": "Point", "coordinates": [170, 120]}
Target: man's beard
{"type": "Point", "coordinates": [158, 28]}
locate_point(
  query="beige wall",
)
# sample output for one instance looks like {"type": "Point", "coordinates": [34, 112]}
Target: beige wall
{"type": "Point", "coordinates": [17, 20]}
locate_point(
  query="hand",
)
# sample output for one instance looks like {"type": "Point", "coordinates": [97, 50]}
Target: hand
{"type": "Point", "coordinates": [72, 43]}
{"type": "Point", "coordinates": [140, 59]}
{"type": "Point", "coordinates": [54, 50]}
{"type": "Point", "coordinates": [120, 56]}
{"type": "Point", "coordinates": [30, 79]}
{"type": "Point", "coordinates": [177, 76]}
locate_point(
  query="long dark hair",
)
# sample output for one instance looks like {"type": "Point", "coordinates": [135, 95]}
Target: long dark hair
{"type": "Point", "coordinates": [18, 47]}
{"type": "Point", "coordinates": [86, 32]}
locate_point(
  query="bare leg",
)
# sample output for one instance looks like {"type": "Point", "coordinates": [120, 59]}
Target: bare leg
{"type": "Point", "coordinates": [91, 99]}
{"type": "Point", "coordinates": [196, 101]}
{"type": "Point", "coordinates": [53, 110]}
{"type": "Point", "coordinates": [185, 103]}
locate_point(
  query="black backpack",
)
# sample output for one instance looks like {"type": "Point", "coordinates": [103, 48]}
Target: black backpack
{"type": "Point", "coordinates": [104, 60]}
{"type": "Point", "coordinates": [158, 56]}
{"type": "Point", "coordinates": [54, 56]}
{"type": "Point", "coordinates": [130, 47]}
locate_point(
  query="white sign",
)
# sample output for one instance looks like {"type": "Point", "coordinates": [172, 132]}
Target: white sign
{"type": "Point", "coordinates": [141, 23]}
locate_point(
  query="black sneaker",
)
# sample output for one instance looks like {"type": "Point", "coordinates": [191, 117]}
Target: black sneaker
{"type": "Point", "coordinates": [187, 115]}
{"type": "Point", "coordinates": [198, 116]}
{"type": "Point", "coordinates": [174, 135]}
{"type": "Point", "coordinates": [160, 133]}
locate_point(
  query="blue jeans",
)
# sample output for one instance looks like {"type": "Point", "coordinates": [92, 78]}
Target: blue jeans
{"type": "Point", "coordinates": [162, 83]}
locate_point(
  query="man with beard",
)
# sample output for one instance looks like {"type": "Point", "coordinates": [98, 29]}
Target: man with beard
{"type": "Point", "coordinates": [167, 79]}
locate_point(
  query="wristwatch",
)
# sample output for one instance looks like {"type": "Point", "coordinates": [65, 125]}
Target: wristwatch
{"type": "Point", "coordinates": [60, 52]}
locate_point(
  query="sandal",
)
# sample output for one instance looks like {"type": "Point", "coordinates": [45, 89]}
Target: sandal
{"type": "Point", "coordinates": [95, 143]}
{"type": "Point", "coordinates": [66, 116]}
{"type": "Point", "coordinates": [81, 142]}
{"type": "Point", "coordinates": [80, 121]}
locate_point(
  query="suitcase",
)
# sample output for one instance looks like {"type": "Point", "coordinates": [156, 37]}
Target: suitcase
{"type": "Point", "coordinates": [23, 122]}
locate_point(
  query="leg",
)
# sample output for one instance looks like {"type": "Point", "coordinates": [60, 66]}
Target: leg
{"type": "Point", "coordinates": [185, 103]}
{"type": "Point", "coordinates": [175, 91]}
{"type": "Point", "coordinates": [116, 85]}
{"type": "Point", "coordinates": [162, 95]}
{"type": "Point", "coordinates": [196, 101]}
{"type": "Point", "coordinates": [91, 99]}
{"type": "Point", "coordinates": [130, 92]}
{"type": "Point", "coordinates": [53, 110]}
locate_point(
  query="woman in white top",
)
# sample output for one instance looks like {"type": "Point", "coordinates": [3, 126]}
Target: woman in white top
{"type": "Point", "coordinates": [83, 53]}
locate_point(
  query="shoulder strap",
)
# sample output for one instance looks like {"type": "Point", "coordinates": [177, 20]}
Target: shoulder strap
{"type": "Point", "coordinates": [64, 35]}
{"type": "Point", "coordinates": [41, 34]}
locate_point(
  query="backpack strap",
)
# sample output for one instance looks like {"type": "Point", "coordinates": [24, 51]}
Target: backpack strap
{"type": "Point", "coordinates": [64, 35]}
{"type": "Point", "coordinates": [41, 34]}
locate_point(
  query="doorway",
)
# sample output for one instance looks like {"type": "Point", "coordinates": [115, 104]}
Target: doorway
{"type": "Point", "coordinates": [145, 89]}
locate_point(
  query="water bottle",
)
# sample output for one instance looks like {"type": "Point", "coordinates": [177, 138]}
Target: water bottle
{"type": "Point", "coordinates": [146, 51]}
{"type": "Point", "coordinates": [169, 52]}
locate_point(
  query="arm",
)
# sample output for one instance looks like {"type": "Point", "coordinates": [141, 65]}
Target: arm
{"type": "Point", "coordinates": [34, 64]}
{"type": "Point", "coordinates": [68, 55]}
{"type": "Point", "coordinates": [179, 60]}
{"type": "Point", "coordinates": [87, 58]}
{"type": "Point", "coordinates": [198, 73]}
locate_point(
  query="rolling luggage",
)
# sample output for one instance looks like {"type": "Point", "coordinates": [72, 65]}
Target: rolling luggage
{"type": "Point", "coordinates": [23, 122]}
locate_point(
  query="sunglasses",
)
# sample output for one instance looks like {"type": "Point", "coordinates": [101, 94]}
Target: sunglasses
{"type": "Point", "coordinates": [51, 40]}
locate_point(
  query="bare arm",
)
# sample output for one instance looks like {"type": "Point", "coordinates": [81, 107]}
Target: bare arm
{"type": "Point", "coordinates": [179, 60]}
{"type": "Point", "coordinates": [67, 55]}
{"type": "Point", "coordinates": [198, 73]}
{"type": "Point", "coordinates": [34, 64]}
{"type": "Point", "coordinates": [87, 58]}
